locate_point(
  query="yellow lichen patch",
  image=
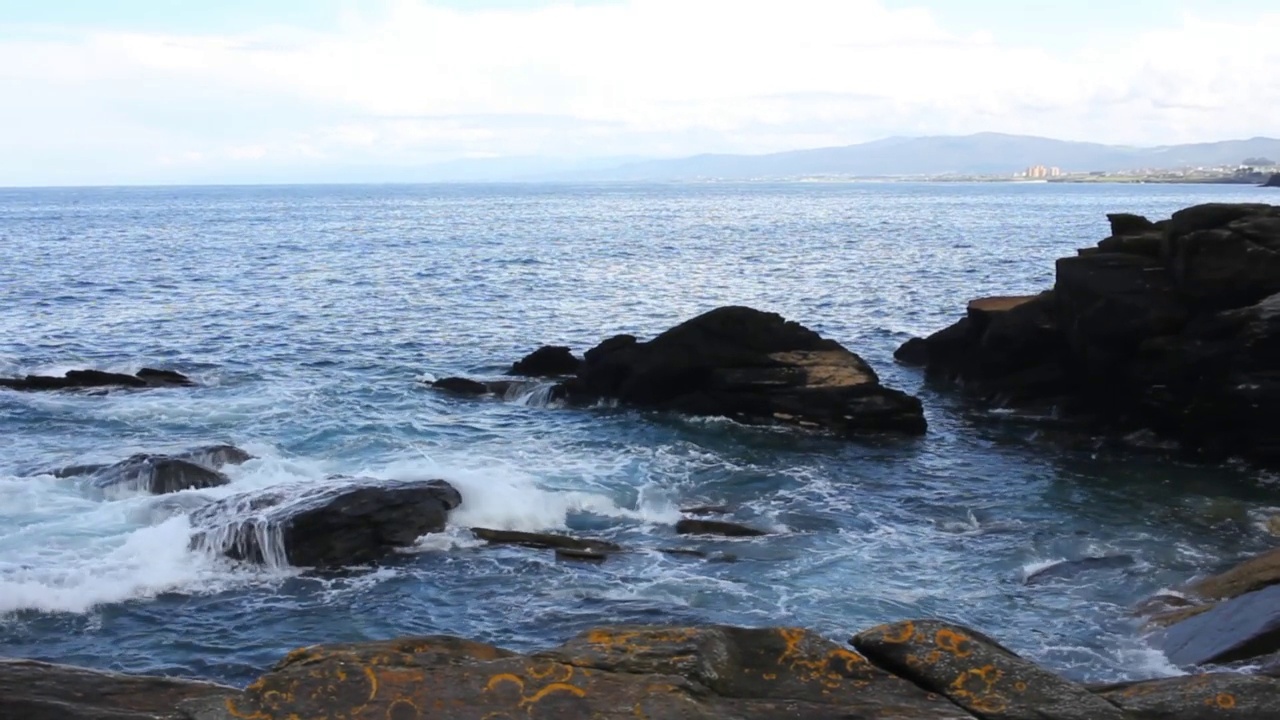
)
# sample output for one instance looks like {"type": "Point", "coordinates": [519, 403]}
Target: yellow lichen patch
{"type": "Point", "coordinates": [953, 642]}
{"type": "Point", "coordinates": [976, 688]}
{"type": "Point", "coordinates": [1226, 701]}
{"type": "Point", "coordinates": [641, 639]}
{"type": "Point", "coordinates": [896, 634]}
{"type": "Point", "coordinates": [543, 670]}
{"type": "Point", "coordinates": [501, 678]}
{"type": "Point", "coordinates": [555, 687]}
{"type": "Point", "coordinates": [827, 368]}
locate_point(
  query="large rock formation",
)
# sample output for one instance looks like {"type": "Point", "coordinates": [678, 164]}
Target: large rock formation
{"type": "Point", "coordinates": [1273, 181]}
{"type": "Point", "coordinates": [338, 523]}
{"type": "Point", "coordinates": [1172, 326]}
{"type": "Point", "coordinates": [740, 363]}
{"type": "Point", "coordinates": [919, 670]}
{"type": "Point", "coordinates": [82, 379]}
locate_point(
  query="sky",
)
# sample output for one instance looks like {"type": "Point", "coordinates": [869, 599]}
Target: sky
{"type": "Point", "coordinates": [161, 91]}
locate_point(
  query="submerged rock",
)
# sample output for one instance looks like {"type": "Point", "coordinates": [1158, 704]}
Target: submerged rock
{"type": "Point", "coordinates": [545, 540]}
{"type": "Point", "coordinates": [1071, 568]}
{"type": "Point", "coordinates": [31, 690]}
{"type": "Point", "coordinates": [1170, 326]}
{"type": "Point", "coordinates": [338, 523]}
{"type": "Point", "coordinates": [716, 527]}
{"type": "Point", "coordinates": [464, 386]}
{"type": "Point", "coordinates": [82, 379]}
{"type": "Point", "coordinates": [978, 674]}
{"type": "Point", "coordinates": [548, 361]}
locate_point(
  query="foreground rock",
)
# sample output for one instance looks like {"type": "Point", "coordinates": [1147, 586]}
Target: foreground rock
{"type": "Point", "coordinates": [339, 523]}
{"type": "Point", "coordinates": [919, 670]}
{"type": "Point", "coordinates": [978, 674]}
{"type": "Point", "coordinates": [83, 379]}
{"type": "Point", "coordinates": [742, 364]}
{"type": "Point", "coordinates": [32, 690]}
{"type": "Point", "coordinates": [1172, 326]}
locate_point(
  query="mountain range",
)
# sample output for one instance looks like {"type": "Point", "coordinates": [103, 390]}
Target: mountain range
{"type": "Point", "coordinates": [979, 154]}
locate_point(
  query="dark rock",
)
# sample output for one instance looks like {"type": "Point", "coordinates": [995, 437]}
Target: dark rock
{"type": "Point", "coordinates": [325, 525]}
{"type": "Point", "coordinates": [1238, 629]}
{"type": "Point", "coordinates": [544, 540]}
{"type": "Point", "coordinates": [548, 361]}
{"type": "Point", "coordinates": [1273, 181]}
{"type": "Point", "coordinates": [610, 673]}
{"type": "Point", "coordinates": [1218, 696]}
{"type": "Point", "coordinates": [461, 386]}
{"type": "Point", "coordinates": [978, 674]}
{"type": "Point", "coordinates": [716, 527]}
{"type": "Point", "coordinates": [1129, 224]}
{"type": "Point", "coordinates": [1071, 568]}
{"type": "Point", "coordinates": [82, 379]}
{"type": "Point", "coordinates": [1170, 327]}
{"type": "Point", "coordinates": [580, 555]}
{"type": "Point", "coordinates": [913, 352]}
{"type": "Point", "coordinates": [686, 552]}
{"type": "Point", "coordinates": [78, 470]}
{"type": "Point", "coordinates": [156, 474]}
{"type": "Point", "coordinates": [750, 366]}
{"type": "Point", "coordinates": [31, 690]}
{"type": "Point", "coordinates": [216, 456]}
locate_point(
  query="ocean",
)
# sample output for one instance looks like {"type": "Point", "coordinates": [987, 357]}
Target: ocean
{"type": "Point", "coordinates": [312, 315]}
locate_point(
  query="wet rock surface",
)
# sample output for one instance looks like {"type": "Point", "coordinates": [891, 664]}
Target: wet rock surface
{"type": "Point", "coordinates": [1241, 628]}
{"type": "Point", "coordinates": [339, 523]}
{"type": "Point", "coordinates": [1171, 326]}
{"type": "Point", "coordinates": [716, 527]}
{"type": "Point", "coordinates": [31, 690]}
{"type": "Point", "coordinates": [162, 474]}
{"type": "Point", "coordinates": [545, 540]}
{"type": "Point", "coordinates": [85, 379]}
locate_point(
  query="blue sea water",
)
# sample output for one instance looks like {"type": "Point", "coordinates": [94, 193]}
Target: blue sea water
{"type": "Point", "coordinates": [311, 315]}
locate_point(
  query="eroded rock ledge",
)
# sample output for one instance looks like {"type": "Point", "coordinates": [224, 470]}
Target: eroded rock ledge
{"type": "Point", "coordinates": [734, 362]}
{"type": "Point", "coordinates": [1172, 326]}
{"type": "Point", "coordinates": [912, 670]}
{"type": "Point", "coordinates": [89, 379]}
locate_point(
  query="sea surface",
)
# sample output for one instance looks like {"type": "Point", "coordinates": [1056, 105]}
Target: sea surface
{"type": "Point", "coordinates": [312, 315]}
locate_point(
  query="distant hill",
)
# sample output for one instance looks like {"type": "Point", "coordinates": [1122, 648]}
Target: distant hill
{"type": "Point", "coordinates": [980, 154]}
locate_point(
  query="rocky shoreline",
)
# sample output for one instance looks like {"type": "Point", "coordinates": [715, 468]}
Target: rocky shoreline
{"type": "Point", "coordinates": [909, 670]}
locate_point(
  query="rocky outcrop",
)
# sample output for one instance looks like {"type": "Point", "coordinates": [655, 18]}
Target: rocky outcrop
{"type": "Point", "coordinates": [1172, 326]}
{"type": "Point", "coordinates": [917, 670]}
{"type": "Point", "coordinates": [338, 523]}
{"type": "Point", "coordinates": [547, 361]}
{"type": "Point", "coordinates": [716, 527]}
{"type": "Point", "coordinates": [161, 474]}
{"type": "Point", "coordinates": [545, 540]}
{"type": "Point", "coordinates": [1273, 181]}
{"type": "Point", "coordinates": [83, 379]}
{"type": "Point", "coordinates": [32, 690]}
{"type": "Point", "coordinates": [743, 364]}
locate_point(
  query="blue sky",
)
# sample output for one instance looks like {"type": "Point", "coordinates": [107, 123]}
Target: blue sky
{"type": "Point", "coordinates": [168, 91]}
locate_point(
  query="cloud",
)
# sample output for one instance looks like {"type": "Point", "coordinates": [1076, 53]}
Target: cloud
{"type": "Point", "coordinates": [413, 82]}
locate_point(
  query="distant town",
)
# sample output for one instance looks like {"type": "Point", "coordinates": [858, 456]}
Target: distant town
{"type": "Point", "coordinates": [1252, 171]}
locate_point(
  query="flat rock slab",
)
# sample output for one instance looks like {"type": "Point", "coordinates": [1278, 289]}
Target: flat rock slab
{"type": "Point", "coordinates": [1253, 574]}
{"type": "Point", "coordinates": [83, 379]}
{"type": "Point", "coordinates": [1238, 629]}
{"type": "Point", "coordinates": [716, 527]}
{"type": "Point", "coordinates": [611, 673]}
{"type": "Point", "coordinates": [1219, 696]}
{"type": "Point", "coordinates": [545, 540]}
{"type": "Point", "coordinates": [979, 674]}
{"type": "Point", "coordinates": [31, 690]}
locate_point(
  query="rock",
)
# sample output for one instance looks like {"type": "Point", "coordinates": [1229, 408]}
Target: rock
{"type": "Point", "coordinates": [1218, 696]}
{"type": "Point", "coordinates": [1170, 327]}
{"type": "Point", "coordinates": [81, 379]}
{"type": "Point", "coordinates": [750, 366]}
{"type": "Point", "coordinates": [1129, 224]}
{"type": "Point", "coordinates": [1071, 568]}
{"type": "Point", "coordinates": [1273, 525]}
{"type": "Point", "coordinates": [31, 690]}
{"type": "Point", "coordinates": [716, 527]}
{"type": "Point", "coordinates": [216, 456]}
{"type": "Point", "coordinates": [685, 552]}
{"type": "Point", "coordinates": [1244, 627]}
{"type": "Point", "coordinates": [461, 386]}
{"type": "Point", "coordinates": [610, 673]}
{"type": "Point", "coordinates": [1253, 574]}
{"type": "Point", "coordinates": [339, 523]}
{"type": "Point", "coordinates": [548, 361]}
{"type": "Point", "coordinates": [1273, 181]}
{"type": "Point", "coordinates": [156, 474]}
{"type": "Point", "coordinates": [978, 674]}
{"type": "Point", "coordinates": [545, 540]}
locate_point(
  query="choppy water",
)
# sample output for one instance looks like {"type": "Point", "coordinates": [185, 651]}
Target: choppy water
{"type": "Point", "coordinates": [310, 314]}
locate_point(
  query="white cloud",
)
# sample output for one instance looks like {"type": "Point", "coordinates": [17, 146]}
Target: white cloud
{"type": "Point", "coordinates": [417, 82]}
